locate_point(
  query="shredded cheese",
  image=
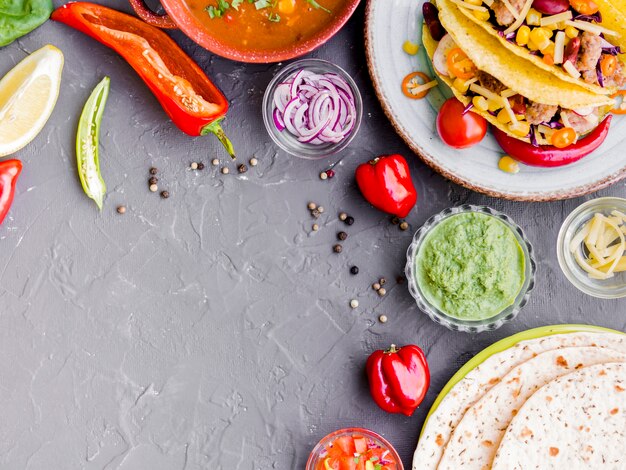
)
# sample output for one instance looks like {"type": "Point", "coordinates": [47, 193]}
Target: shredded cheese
{"type": "Point", "coordinates": [426, 86]}
{"type": "Point", "coordinates": [469, 6]}
{"type": "Point", "coordinates": [603, 238]}
{"type": "Point", "coordinates": [569, 68]}
{"type": "Point", "coordinates": [509, 111]}
{"type": "Point", "coordinates": [508, 93]}
{"type": "Point", "coordinates": [591, 28]}
{"type": "Point", "coordinates": [489, 3]}
{"type": "Point", "coordinates": [565, 120]}
{"type": "Point", "coordinates": [559, 46]}
{"type": "Point", "coordinates": [509, 7]}
{"type": "Point", "coordinates": [521, 18]}
{"type": "Point", "coordinates": [486, 93]}
{"type": "Point", "coordinates": [548, 20]}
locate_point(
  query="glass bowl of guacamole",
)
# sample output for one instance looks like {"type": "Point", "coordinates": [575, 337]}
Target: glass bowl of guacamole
{"type": "Point", "coordinates": [470, 268]}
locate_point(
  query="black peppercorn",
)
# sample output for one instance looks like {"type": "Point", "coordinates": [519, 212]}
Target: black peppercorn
{"type": "Point", "coordinates": [242, 168]}
{"type": "Point", "coordinates": [165, 194]}
{"type": "Point", "coordinates": [153, 180]}
{"type": "Point", "coordinates": [200, 166]}
{"type": "Point", "coordinates": [349, 220]}
{"type": "Point", "coordinates": [154, 171]}
{"type": "Point", "coordinates": [342, 236]}
{"type": "Point", "coordinates": [337, 248]}
{"type": "Point", "coordinates": [354, 270]}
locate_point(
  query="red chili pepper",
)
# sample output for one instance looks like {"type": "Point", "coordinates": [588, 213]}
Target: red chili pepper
{"type": "Point", "coordinates": [548, 155]}
{"type": "Point", "coordinates": [386, 183]}
{"type": "Point", "coordinates": [186, 94]}
{"type": "Point", "coordinates": [9, 171]}
{"type": "Point", "coordinates": [399, 378]}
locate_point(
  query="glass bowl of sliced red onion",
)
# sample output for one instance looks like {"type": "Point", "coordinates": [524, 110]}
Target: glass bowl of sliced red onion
{"type": "Point", "coordinates": [312, 109]}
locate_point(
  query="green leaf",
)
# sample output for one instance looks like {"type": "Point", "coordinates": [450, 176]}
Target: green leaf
{"type": "Point", "coordinates": [235, 4]}
{"type": "Point", "coordinates": [356, 459]}
{"type": "Point", "coordinates": [314, 4]}
{"type": "Point", "coordinates": [260, 4]}
{"type": "Point", "coordinates": [378, 467]}
{"type": "Point", "coordinates": [274, 17]}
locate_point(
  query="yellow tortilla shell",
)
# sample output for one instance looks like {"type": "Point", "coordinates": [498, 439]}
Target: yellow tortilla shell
{"type": "Point", "coordinates": [535, 83]}
{"type": "Point", "coordinates": [611, 15]}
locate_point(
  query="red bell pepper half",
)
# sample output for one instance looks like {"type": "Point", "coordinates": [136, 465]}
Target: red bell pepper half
{"type": "Point", "coordinates": [9, 171]}
{"type": "Point", "coordinates": [386, 184]}
{"type": "Point", "coordinates": [548, 155]}
{"type": "Point", "coordinates": [398, 378]}
{"type": "Point", "coordinates": [186, 94]}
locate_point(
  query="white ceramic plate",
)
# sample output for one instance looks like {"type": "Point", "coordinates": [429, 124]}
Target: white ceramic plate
{"type": "Point", "coordinates": [388, 24]}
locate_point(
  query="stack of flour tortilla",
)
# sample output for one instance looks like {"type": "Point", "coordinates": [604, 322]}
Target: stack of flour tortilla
{"type": "Point", "coordinates": [556, 402]}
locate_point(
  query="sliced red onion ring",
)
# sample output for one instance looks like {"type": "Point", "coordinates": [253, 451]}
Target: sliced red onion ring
{"type": "Point", "coordinates": [315, 108]}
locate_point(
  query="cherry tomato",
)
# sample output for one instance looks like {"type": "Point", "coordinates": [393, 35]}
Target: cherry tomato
{"type": "Point", "coordinates": [460, 65]}
{"type": "Point", "coordinates": [460, 130]}
{"type": "Point", "coordinates": [584, 7]}
{"type": "Point", "coordinates": [563, 137]}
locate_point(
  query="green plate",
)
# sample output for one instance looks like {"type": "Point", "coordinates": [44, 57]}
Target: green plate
{"type": "Point", "coordinates": [505, 344]}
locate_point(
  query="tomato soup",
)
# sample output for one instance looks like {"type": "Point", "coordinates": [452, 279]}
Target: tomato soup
{"type": "Point", "coordinates": [264, 25]}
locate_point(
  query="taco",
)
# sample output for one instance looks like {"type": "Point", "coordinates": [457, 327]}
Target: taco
{"type": "Point", "coordinates": [522, 100]}
{"type": "Point", "coordinates": [580, 41]}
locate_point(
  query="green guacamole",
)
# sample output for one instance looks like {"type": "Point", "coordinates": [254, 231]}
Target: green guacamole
{"type": "Point", "coordinates": [20, 17]}
{"type": "Point", "coordinates": [470, 266]}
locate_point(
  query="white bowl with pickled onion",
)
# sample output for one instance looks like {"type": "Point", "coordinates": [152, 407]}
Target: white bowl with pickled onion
{"type": "Point", "coordinates": [312, 109]}
{"type": "Point", "coordinates": [591, 247]}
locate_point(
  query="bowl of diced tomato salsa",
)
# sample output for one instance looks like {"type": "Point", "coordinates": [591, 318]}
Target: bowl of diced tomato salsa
{"type": "Point", "coordinates": [354, 449]}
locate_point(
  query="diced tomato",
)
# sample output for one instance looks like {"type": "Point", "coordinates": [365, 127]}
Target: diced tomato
{"type": "Point", "coordinates": [360, 444]}
{"type": "Point", "coordinates": [346, 444]}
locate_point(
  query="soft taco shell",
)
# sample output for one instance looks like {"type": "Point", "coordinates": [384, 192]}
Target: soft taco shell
{"type": "Point", "coordinates": [612, 19]}
{"type": "Point", "coordinates": [535, 83]}
{"type": "Point", "coordinates": [576, 421]}
{"type": "Point", "coordinates": [476, 438]}
{"type": "Point", "coordinates": [442, 422]}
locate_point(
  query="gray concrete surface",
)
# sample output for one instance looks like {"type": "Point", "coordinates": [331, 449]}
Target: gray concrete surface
{"type": "Point", "coordinates": [212, 330]}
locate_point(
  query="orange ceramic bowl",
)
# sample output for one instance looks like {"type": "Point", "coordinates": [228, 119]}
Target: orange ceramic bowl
{"type": "Point", "coordinates": [179, 16]}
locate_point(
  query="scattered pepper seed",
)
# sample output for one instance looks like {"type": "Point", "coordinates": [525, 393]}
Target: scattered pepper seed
{"type": "Point", "coordinates": [330, 173]}
{"type": "Point", "coordinates": [215, 162]}
{"type": "Point", "coordinates": [382, 281]}
{"type": "Point", "coordinates": [242, 168]}
{"type": "Point", "coordinates": [382, 319]}
{"type": "Point", "coordinates": [154, 171]}
{"type": "Point", "coordinates": [382, 291]}
{"type": "Point", "coordinates": [315, 213]}
{"type": "Point", "coordinates": [404, 225]}
{"type": "Point", "coordinates": [315, 227]}
{"type": "Point", "coordinates": [343, 216]}
{"type": "Point", "coordinates": [337, 248]}
{"type": "Point", "coordinates": [200, 166]}
{"type": "Point", "coordinates": [376, 286]}
{"type": "Point", "coordinates": [354, 270]}
{"type": "Point", "coordinates": [194, 165]}
{"type": "Point", "coordinates": [354, 303]}
{"type": "Point", "coordinates": [321, 209]}
{"type": "Point", "coordinates": [253, 162]}
{"type": "Point", "coordinates": [312, 206]}
{"type": "Point", "coordinates": [225, 171]}
{"type": "Point", "coordinates": [395, 220]}
{"type": "Point", "coordinates": [154, 188]}
{"type": "Point", "coordinates": [121, 209]}
{"type": "Point", "coordinates": [342, 236]}
{"type": "Point", "coordinates": [349, 220]}
{"type": "Point", "coordinates": [323, 175]}
{"type": "Point", "coordinates": [153, 180]}
{"type": "Point", "coordinates": [165, 194]}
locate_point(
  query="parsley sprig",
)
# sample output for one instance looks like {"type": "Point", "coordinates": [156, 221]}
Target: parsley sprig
{"type": "Point", "coordinates": [218, 11]}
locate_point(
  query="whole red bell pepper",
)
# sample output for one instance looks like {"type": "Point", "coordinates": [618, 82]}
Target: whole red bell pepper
{"type": "Point", "coordinates": [186, 94]}
{"type": "Point", "coordinates": [386, 184]}
{"type": "Point", "coordinates": [9, 171]}
{"type": "Point", "coordinates": [548, 155]}
{"type": "Point", "coordinates": [398, 378]}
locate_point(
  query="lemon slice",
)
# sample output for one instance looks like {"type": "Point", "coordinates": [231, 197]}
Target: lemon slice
{"type": "Point", "coordinates": [28, 94]}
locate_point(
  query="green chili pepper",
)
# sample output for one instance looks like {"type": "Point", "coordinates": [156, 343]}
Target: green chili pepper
{"type": "Point", "coordinates": [87, 140]}
{"type": "Point", "coordinates": [20, 17]}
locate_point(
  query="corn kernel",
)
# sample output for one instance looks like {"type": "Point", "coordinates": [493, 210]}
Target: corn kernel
{"type": "Point", "coordinates": [480, 103]}
{"type": "Point", "coordinates": [548, 32]}
{"type": "Point", "coordinates": [549, 49]}
{"type": "Point", "coordinates": [481, 15]}
{"type": "Point", "coordinates": [494, 105]}
{"type": "Point", "coordinates": [523, 34]}
{"type": "Point", "coordinates": [474, 2]}
{"type": "Point", "coordinates": [460, 85]}
{"type": "Point", "coordinates": [410, 47]}
{"type": "Point", "coordinates": [503, 117]}
{"type": "Point", "coordinates": [520, 128]}
{"type": "Point", "coordinates": [508, 165]}
{"type": "Point", "coordinates": [561, 25]}
{"type": "Point", "coordinates": [571, 32]}
{"type": "Point", "coordinates": [540, 38]}
{"type": "Point", "coordinates": [531, 45]}
{"type": "Point", "coordinates": [533, 18]}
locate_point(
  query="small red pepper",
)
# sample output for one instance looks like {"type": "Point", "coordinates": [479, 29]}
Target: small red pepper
{"type": "Point", "coordinates": [548, 155]}
{"type": "Point", "coordinates": [186, 94]}
{"type": "Point", "coordinates": [386, 184]}
{"type": "Point", "coordinates": [9, 171]}
{"type": "Point", "coordinates": [399, 378]}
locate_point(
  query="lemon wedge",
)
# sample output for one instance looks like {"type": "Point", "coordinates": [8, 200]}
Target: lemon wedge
{"type": "Point", "coordinates": [28, 94]}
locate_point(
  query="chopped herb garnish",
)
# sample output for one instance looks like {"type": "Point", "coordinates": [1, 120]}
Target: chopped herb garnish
{"type": "Point", "coordinates": [260, 4]}
{"type": "Point", "coordinates": [356, 459]}
{"type": "Point", "coordinates": [218, 11]}
{"type": "Point", "coordinates": [378, 467]}
{"type": "Point", "coordinates": [273, 17]}
{"type": "Point", "coordinates": [374, 458]}
{"type": "Point", "coordinates": [314, 4]}
{"type": "Point", "coordinates": [235, 4]}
